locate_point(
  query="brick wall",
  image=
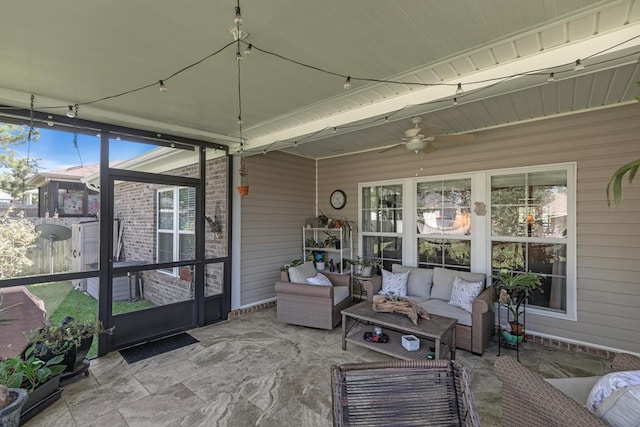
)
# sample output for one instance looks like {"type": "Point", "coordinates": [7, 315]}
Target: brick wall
{"type": "Point", "coordinates": [135, 206]}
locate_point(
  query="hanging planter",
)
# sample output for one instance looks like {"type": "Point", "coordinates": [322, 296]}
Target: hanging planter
{"type": "Point", "coordinates": [243, 188]}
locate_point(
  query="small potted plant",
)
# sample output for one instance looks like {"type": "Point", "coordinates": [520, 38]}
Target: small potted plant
{"type": "Point", "coordinates": [39, 379]}
{"type": "Point", "coordinates": [364, 266]}
{"type": "Point", "coordinates": [71, 339]}
{"type": "Point", "coordinates": [513, 290]}
{"type": "Point", "coordinates": [331, 241]}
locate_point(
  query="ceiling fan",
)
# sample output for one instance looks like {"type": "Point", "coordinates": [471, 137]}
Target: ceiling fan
{"type": "Point", "coordinates": [416, 141]}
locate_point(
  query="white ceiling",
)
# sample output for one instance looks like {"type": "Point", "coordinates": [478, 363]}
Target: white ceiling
{"type": "Point", "coordinates": [74, 51]}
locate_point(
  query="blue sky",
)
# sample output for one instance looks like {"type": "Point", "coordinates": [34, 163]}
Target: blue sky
{"type": "Point", "coordinates": [55, 150]}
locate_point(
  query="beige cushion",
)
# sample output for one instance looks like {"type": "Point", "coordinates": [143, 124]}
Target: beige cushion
{"type": "Point", "coordinates": [339, 294]}
{"type": "Point", "coordinates": [443, 281]}
{"type": "Point", "coordinates": [301, 273]}
{"type": "Point", "coordinates": [419, 281]}
{"type": "Point", "coordinates": [443, 308]}
{"type": "Point", "coordinates": [576, 388]}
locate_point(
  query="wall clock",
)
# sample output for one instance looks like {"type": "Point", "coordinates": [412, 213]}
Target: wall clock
{"type": "Point", "coordinates": [338, 199]}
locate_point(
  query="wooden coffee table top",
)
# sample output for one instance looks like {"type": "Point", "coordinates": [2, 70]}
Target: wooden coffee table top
{"type": "Point", "coordinates": [433, 328]}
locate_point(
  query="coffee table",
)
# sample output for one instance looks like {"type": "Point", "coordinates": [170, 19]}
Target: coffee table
{"type": "Point", "coordinates": [395, 325]}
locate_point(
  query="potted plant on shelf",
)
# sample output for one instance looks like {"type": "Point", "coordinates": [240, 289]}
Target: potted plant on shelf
{"type": "Point", "coordinates": [331, 241]}
{"type": "Point", "coordinates": [71, 339]}
{"type": "Point", "coordinates": [513, 290]}
{"type": "Point", "coordinates": [364, 266]}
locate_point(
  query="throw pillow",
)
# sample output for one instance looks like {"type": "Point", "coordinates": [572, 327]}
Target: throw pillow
{"type": "Point", "coordinates": [622, 408]}
{"type": "Point", "coordinates": [394, 282]}
{"type": "Point", "coordinates": [609, 384]}
{"type": "Point", "coordinates": [300, 273]}
{"type": "Point", "coordinates": [463, 293]}
{"type": "Point", "coordinates": [319, 279]}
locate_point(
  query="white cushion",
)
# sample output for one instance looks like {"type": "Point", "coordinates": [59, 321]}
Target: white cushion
{"type": "Point", "coordinates": [609, 384]}
{"type": "Point", "coordinates": [443, 281]}
{"type": "Point", "coordinates": [419, 281]}
{"type": "Point", "coordinates": [319, 279]}
{"type": "Point", "coordinates": [443, 308]}
{"type": "Point", "coordinates": [395, 283]}
{"type": "Point", "coordinates": [339, 294]}
{"type": "Point", "coordinates": [300, 273]}
{"type": "Point", "coordinates": [622, 408]}
{"type": "Point", "coordinates": [463, 293]}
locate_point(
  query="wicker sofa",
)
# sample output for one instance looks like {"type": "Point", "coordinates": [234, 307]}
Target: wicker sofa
{"type": "Point", "coordinates": [314, 306]}
{"type": "Point", "coordinates": [431, 288]}
{"type": "Point", "coordinates": [538, 402]}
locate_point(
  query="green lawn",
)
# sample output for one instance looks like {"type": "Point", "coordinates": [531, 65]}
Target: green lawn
{"type": "Point", "coordinates": [62, 301]}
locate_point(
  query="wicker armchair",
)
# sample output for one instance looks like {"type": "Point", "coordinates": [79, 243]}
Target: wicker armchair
{"type": "Point", "coordinates": [534, 402]}
{"type": "Point", "coordinates": [311, 305]}
{"type": "Point", "coordinates": [403, 393]}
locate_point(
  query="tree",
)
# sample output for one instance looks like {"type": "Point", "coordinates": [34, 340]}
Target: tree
{"type": "Point", "coordinates": [17, 236]}
{"type": "Point", "coordinates": [15, 171]}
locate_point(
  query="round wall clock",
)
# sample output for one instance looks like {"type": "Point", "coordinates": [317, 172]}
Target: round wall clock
{"type": "Point", "coordinates": [338, 199]}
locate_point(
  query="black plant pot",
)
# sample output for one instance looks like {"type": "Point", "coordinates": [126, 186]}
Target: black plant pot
{"type": "Point", "coordinates": [45, 354]}
{"type": "Point", "coordinates": [40, 398]}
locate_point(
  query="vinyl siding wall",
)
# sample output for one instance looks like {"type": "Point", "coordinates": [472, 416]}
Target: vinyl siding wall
{"type": "Point", "coordinates": [281, 197]}
{"type": "Point", "coordinates": [608, 238]}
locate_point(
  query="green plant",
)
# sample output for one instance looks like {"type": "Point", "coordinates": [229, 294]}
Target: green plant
{"type": "Point", "coordinates": [17, 236]}
{"type": "Point", "coordinates": [614, 187]}
{"type": "Point", "coordinates": [294, 263]}
{"type": "Point", "coordinates": [364, 262]}
{"type": "Point", "coordinates": [30, 372]}
{"type": "Point", "coordinates": [60, 339]}
{"type": "Point", "coordinates": [514, 289]}
{"type": "Point", "coordinates": [330, 240]}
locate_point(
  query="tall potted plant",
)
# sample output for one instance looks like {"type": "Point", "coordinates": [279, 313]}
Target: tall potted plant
{"type": "Point", "coordinates": [513, 290]}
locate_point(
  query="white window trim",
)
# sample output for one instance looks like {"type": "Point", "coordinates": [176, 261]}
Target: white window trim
{"type": "Point", "coordinates": [571, 309]}
{"type": "Point", "coordinates": [176, 232]}
{"type": "Point", "coordinates": [481, 230]}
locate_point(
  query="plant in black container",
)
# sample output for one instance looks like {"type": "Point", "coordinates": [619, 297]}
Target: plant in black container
{"type": "Point", "coordinates": [71, 339]}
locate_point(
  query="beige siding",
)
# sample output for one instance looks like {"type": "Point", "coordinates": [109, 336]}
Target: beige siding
{"type": "Point", "coordinates": [608, 238]}
{"type": "Point", "coordinates": [281, 197]}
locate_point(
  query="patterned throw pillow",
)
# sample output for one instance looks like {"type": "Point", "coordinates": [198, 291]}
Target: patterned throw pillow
{"type": "Point", "coordinates": [463, 293]}
{"type": "Point", "coordinates": [394, 282]}
{"type": "Point", "coordinates": [319, 279]}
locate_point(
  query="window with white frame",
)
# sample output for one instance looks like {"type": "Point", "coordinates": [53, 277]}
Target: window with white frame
{"type": "Point", "coordinates": [176, 225]}
{"type": "Point", "coordinates": [443, 220]}
{"type": "Point", "coordinates": [382, 217]}
{"type": "Point", "coordinates": [529, 225]}
{"type": "Point", "coordinates": [529, 230]}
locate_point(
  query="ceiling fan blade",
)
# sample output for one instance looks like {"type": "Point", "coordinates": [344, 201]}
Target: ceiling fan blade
{"type": "Point", "coordinates": [467, 137]}
{"type": "Point", "coordinates": [390, 148]}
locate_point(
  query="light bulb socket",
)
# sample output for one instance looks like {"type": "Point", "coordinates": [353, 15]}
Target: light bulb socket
{"type": "Point", "coordinates": [347, 83]}
{"type": "Point", "coordinates": [49, 120]}
{"type": "Point", "coordinates": [70, 113]}
{"type": "Point", "coordinates": [552, 77]}
{"type": "Point", "coordinates": [163, 88]}
{"type": "Point", "coordinates": [578, 65]}
{"type": "Point", "coordinates": [239, 56]}
{"type": "Point", "coordinates": [238, 18]}
{"type": "Point", "coordinates": [247, 51]}
{"type": "Point", "coordinates": [459, 90]}
{"type": "Point", "coordinates": [455, 101]}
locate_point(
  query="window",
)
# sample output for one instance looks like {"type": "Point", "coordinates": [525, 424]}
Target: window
{"type": "Point", "coordinates": [529, 230]}
{"type": "Point", "coordinates": [443, 220]}
{"type": "Point", "coordinates": [176, 225]}
{"type": "Point", "coordinates": [520, 219]}
{"type": "Point", "coordinates": [382, 223]}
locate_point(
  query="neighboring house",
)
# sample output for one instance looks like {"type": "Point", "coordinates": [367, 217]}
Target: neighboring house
{"type": "Point", "coordinates": [61, 192]}
{"type": "Point", "coordinates": [5, 197]}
